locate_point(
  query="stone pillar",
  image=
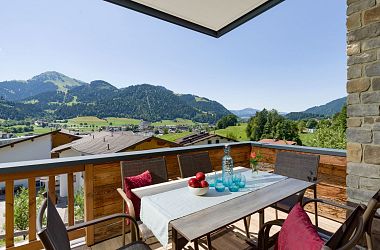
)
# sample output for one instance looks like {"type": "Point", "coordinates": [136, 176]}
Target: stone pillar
{"type": "Point", "coordinates": [363, 101]}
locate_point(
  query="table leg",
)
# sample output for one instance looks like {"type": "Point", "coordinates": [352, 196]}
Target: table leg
{"type": "Point", "coordinates": [261, 218]}
{"type": "Point", "coordinates": [209, 246]}
{"type": "Point", "coordinates": [247, 222]}
{"type": "Point", "coordinates": [175, 239]}
{"type": "Point", "coordinates": [196, 245]}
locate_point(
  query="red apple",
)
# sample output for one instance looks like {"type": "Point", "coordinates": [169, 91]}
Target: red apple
{"type": "Point", "coordinates": [204, 184]}
{"type": "Point", "coordinates": [197, 185]}
{"type": "Point", "coordinates": [193, 182]}
{"type": "Point", "coordinates": [200, 176]}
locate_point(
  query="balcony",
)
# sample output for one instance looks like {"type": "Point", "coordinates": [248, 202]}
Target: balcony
{"type": "Point", "coordinates": [102, 177]}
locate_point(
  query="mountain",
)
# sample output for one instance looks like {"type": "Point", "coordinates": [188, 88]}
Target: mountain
{"type": "Point", "coordinates": [204, 105]}
{"type": "Point", "coordinates": [244, 113]}
{"type": "Point", "coordinates": [17, 90]}
{"type": "Point", "coordinates": [329, 108]}
{"type": "Point", "coordinates": [302, 115]}
{"type": "Point", "coordinates": [326, 110]}
{"type": "Point", "coordinates": [67, 98]}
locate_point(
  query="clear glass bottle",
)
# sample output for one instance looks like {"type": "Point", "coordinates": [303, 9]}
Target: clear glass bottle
{"type": "Point", "coordinates": [227, 164]}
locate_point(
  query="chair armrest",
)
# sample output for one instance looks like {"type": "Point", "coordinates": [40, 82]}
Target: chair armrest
{"type": "Point", "coordinates": [264, 241]}
{"type": "Point", "coordinates": [131, 208]}
{"type": "Point", "coordinates": [103, 219]}
{"type": "Point", "coordinates": [334, 204]}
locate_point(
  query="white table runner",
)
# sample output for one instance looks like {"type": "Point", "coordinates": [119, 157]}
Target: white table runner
{"type": "Point", "coordinates": [158, 210]}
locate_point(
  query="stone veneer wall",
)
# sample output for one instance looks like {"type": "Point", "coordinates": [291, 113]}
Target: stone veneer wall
{"type": "Point", "coordinates": [363, 110]}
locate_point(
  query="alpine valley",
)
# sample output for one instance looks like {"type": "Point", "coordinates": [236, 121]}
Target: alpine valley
{"type": "Point", "coordinates": [54, 95]}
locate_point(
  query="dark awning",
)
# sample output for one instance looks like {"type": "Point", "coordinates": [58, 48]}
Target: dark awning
{"type": "Point", "coordinates": [211, 17]}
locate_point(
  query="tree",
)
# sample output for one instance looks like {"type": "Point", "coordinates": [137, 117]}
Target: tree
{"type": "Point", "coordinates": [256, 125]}
{"type": "Point", "coordinates": [271, 125]}
{"type": "Point", "coordinates": [301, 126]}
{"type": "Point", "coordinates": [329, 137]}
{"type": "Point", "coordinates": [21, 206]}
{"type": "Point", "coordinates": [332, 134]}
{"type": "Point", "coordinates": [226, 121]}
{"type": "Point", "coordinates": [340, 119]}
{"type": "Point", "coordinates": [312, 123]}
{"type": "Point", "coordinates": [79, 204]}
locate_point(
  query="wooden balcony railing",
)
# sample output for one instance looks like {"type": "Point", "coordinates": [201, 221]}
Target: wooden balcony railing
{"type": "Point", "coordinates": [102, 177]}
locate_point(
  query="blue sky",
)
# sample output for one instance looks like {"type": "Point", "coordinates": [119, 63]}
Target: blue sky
{"type": "Point", "coordinates": [289, 58]}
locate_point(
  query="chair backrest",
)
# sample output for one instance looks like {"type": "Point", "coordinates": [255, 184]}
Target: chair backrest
{"type": "Point", "coordinates": [298, 166]}
{"type": "Point", "coordinates": [350, 232]}
{"type": "Point", "coordinates": [190, 164]}
{"type": "Point", "coordinates": [54, 236]}
{"type": "Point", "coordinates": [369, 214]}
{"type": "Point", "coordinates": [156, 167]}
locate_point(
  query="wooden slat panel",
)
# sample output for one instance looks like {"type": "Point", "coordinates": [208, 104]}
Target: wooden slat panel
{"type": "Point", "coordinates": [31, 245]}
{"type": "Point", "coordinates": [109, 229]}
{"type": "Point", "coordinates": [51, 188]}
{"type": "Point", "coordinates": [32, 209]}
{"type": "Point", "coordinates": [9, 213]}
{"type": "Point", "coordinates": [41, 173]}
{"type": "Point", "coordinates": [77, 234]}
{"type": "Point", "coordinates": [38, 245]}
{"type": "Point", "coordinates": [113, 208]}
{"type": "Point", "coordinates": [70, 198]}
{"type": "Point", "coordinates": [89, 201]}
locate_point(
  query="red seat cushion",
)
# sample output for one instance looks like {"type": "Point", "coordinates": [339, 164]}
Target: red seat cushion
{"type": "Point", "coordinates": [131, 182]}
{"type": "Point", "coordinates": [298, 233]}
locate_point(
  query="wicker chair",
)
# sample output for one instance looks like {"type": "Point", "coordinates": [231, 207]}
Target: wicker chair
{"type": "Point", "coordinates": [370, 213]}
{"type": "Point", "coordinates": [345, 238]}
{"type": "Point", "coordinates": [55, 235]}
{"type": "Point", "coordinates": [298, 166]}
{"type": "Point", "coordinates": [157, 168]}
{"type": "Point", "coordinates": [190, 164]}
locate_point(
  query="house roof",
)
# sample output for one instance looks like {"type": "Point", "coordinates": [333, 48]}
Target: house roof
{"type": "Point", "coordinates": [278, 142]}
{"type": "Point", "coordinates": [104, 142]}
{"type": "Point", "coordinates": [211, 17]}
{"type": "Point", "coordinates": [194, 138]}
{"type": "Point", "coordinates": [27, 138]}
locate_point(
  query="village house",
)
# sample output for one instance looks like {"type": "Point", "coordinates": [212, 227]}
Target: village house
{"type": "Point", "coordinates": [278, 142]}
{"type": "Point", "coordinates": [203, 138]}
{"type": "Point", "coordinates": [105, 143]}
{"type": "Point", "coordinates": [29, 148]}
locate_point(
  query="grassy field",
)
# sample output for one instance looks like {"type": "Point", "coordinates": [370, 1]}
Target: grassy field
{"type": "Point", "coordinates": [92, 120]}
{"type": "Point", "coordinates": [37, 130]}
{"type": "Point", "coordinates": [178, 121]}
{"type": "Point", "coordinates": [175, 136]}
{"type": "Point", "coordinates": [122, 121]}
{"type": "Point", "coordinates": [234, 132]}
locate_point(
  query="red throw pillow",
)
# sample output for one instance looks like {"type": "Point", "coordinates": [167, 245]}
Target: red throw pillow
{"type": "Point", "coordinates": [141, 180]}
{"type": "Point", "coordinates": [298, 233]}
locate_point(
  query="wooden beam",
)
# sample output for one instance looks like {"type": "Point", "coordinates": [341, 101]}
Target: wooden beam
{"type": "Point", "coordinates": [70, 198]}
{"type": "Point", "coordinates": [32, 209]}
{"type": "Point", "coordinates": [9, 214]}
{"type": "Point", "coordinates": [31, 245]}
{"type": "Point", "coordinates": [39, 173]}
{"type": "Point", "coordinates": [89, 201]}
{"type": "Point", "coordinates": [51, 188]}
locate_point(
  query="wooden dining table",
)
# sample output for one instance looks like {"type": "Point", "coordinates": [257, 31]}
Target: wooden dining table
{"type": "Point", "coordinates": [202, 223]}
